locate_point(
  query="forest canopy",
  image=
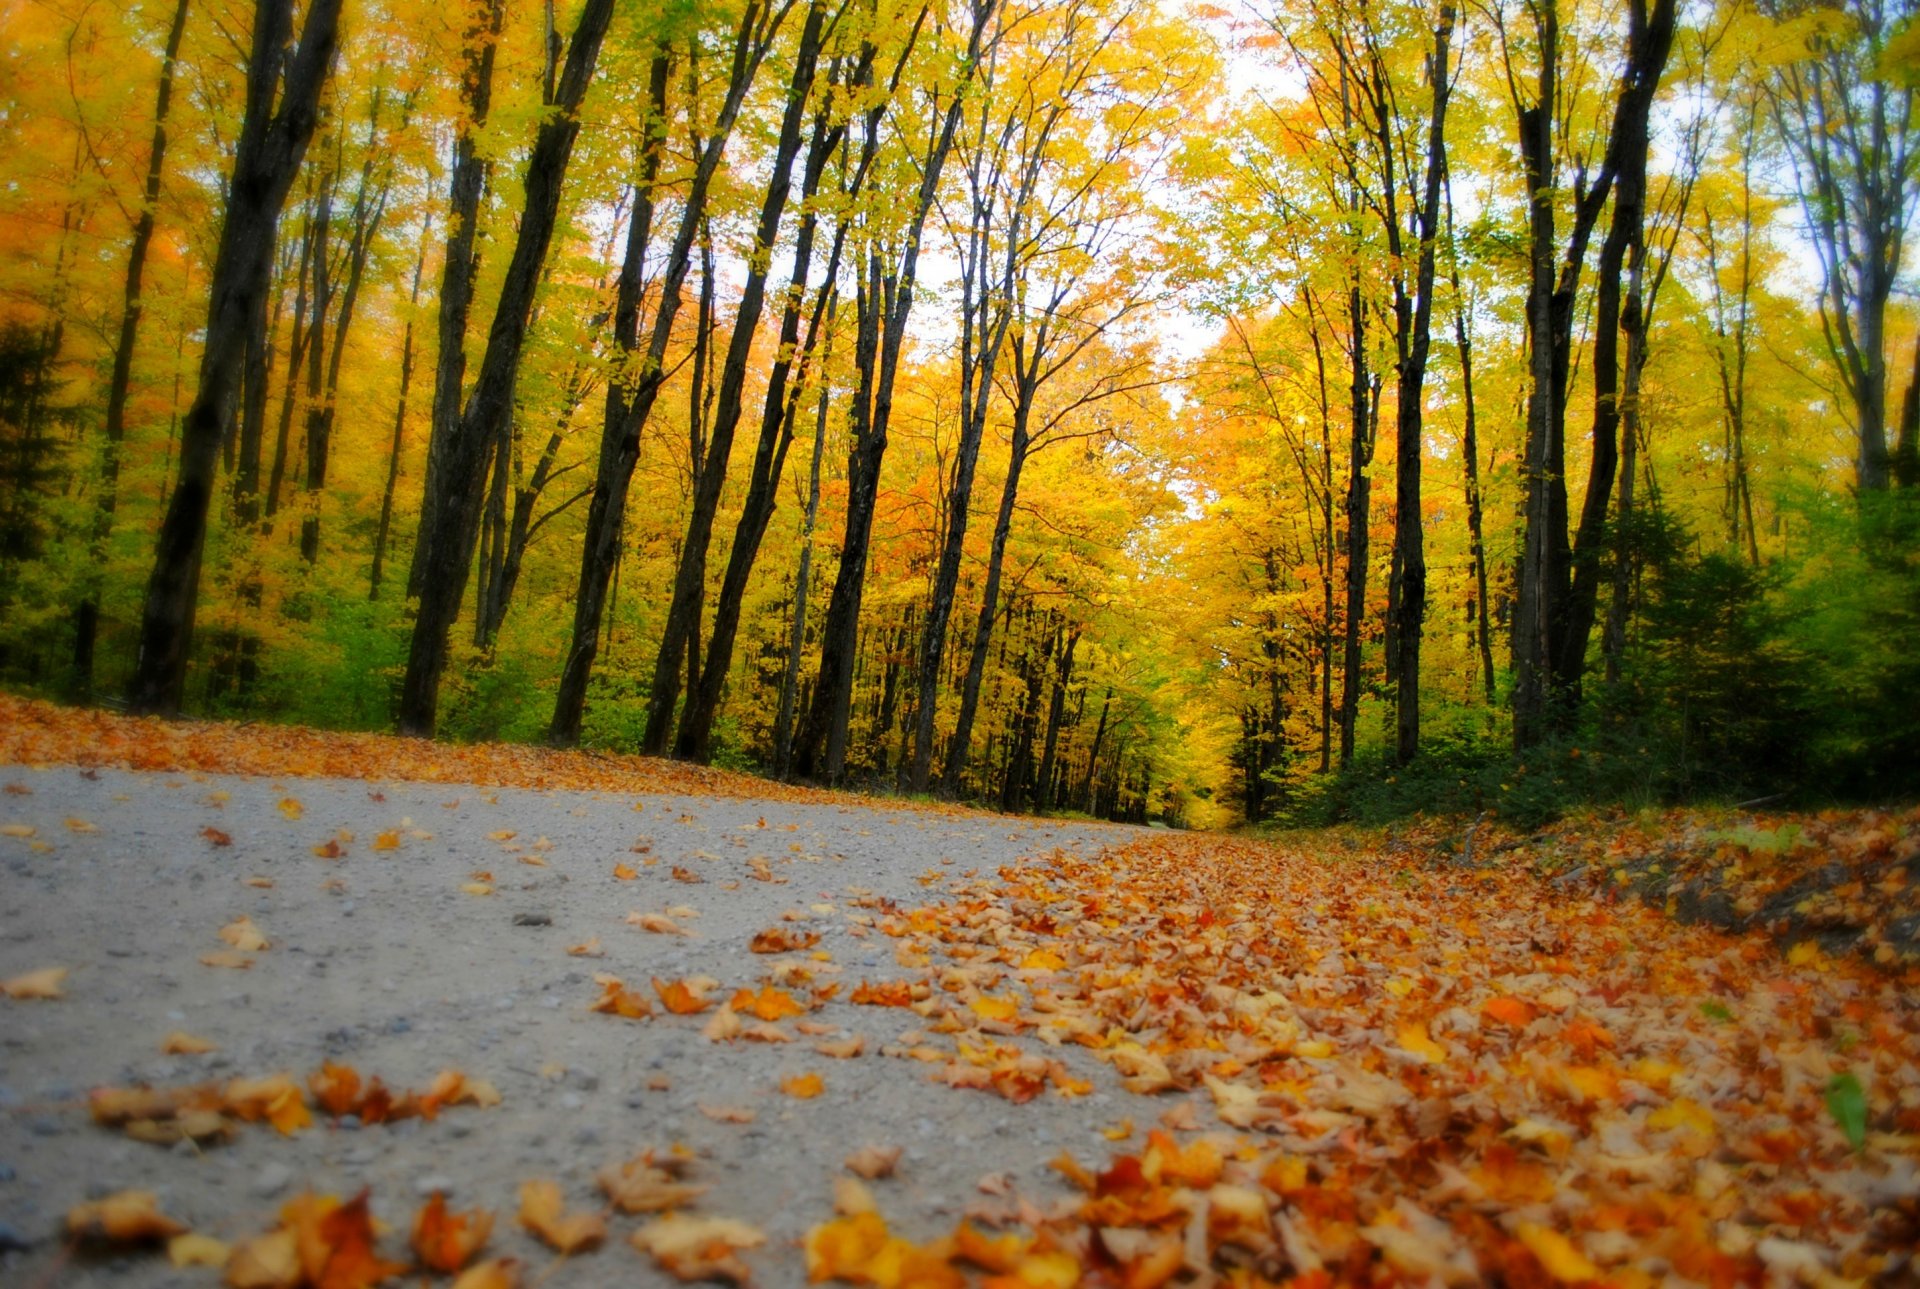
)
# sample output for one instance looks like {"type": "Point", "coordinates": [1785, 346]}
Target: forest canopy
{"type": "Point", "coordinates": [1287, 410]}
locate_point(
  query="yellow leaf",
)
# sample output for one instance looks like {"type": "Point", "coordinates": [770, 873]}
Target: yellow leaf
{"type": "Point", "coordinates": [291, 808]}
{"type": "Point", "coordinates": [590, 948]}
{"type": "Point", "coordinates": [476, 888]}
{"type": "Point", "coordinates": [1414, 1038]}
{"type": "Point", "coordinates": [17, 830]}
{"type": "Point", "coordinates": [542, 1212]}
{"type": "Point", "coordinates": [195, 1250]}
{"type": "Point", "coordinates": [243, 935]}
{"type": "Point", "coordinates": [388, 840]}
{"type": "Point", "coordinates": [44, 983]}
{"type": "Point", "coordinates": [1556, 1253]}
{"type": "Point", "coordinates": [699, 1248]}
{"type": "Point", "coordinates": [1683, 1113]}
{"type": "Point", "coordinates": [80, 825]}
{"type": "Point", "coordinates": [1043, 960]}
{"type": "Point", "coordinates": [181, 1043]}
{"type": "Point", "coordinates": [232, 959]}
{"type": "Point", "coordinates": [499, 1273]}
{"type": "Point", "coordinates": [992, 1008]}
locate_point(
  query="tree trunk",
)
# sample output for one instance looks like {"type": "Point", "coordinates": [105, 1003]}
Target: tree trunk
{"type": "Point", "coordinates": [462, 264]}
{"type": "Point", "coordinates": [1043, 800]}
{"type": "Point", "coordinates": [399, 423]}
{"type": "Point", "coordinates": [1650, 38]}
{"type": "Point", "coordinates": [450, 525]}
{"type": "Point", "coordinates": [1414, 325]}
{"type": "Point", "coordinates": [266, 158]}
{"type": "Point", "coordinates": [885, 300]}
{"type": "Point", "coordinates": [797, 634]}
{"type": "Point", "coordinates": [628, 408]}
{"type": "Point", "coordinates": [86, 618]}
{"type": "Point", "coordinates": [690, 577]}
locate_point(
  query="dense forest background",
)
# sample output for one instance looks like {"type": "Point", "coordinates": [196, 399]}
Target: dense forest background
{"type": "Point", "coordinates": [1286, 411]}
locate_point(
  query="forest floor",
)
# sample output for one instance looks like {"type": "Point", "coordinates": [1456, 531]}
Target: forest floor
{"type": "Point", "coordinates": [756, 1030]}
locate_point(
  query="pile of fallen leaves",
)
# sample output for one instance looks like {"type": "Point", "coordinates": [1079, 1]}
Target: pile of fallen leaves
{"type": "Point", "coordinates": [1847, 880]}
{"type": "Point", "coordinates": [39, 733]}
{"type": "Point", "coordinates": [1447, 1078]}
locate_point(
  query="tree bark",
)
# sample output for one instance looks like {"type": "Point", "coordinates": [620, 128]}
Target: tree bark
{"type": "Point", "coordinates": [399, 424]}
{"type": "Point", "coordinates": [461, 266]}
{"type": "Point", "coordinates": [629, 405]}
{"type": "Point", "coordinates": [272, 142]}
{"type": "Point", "coordinates": [884, 302]}
{"type": "Point", "coordinates": [690, 577]}
{"type": "Point", "coordinates": [86, 618]}
{"type": "Point", "coordinates": [450, 526]}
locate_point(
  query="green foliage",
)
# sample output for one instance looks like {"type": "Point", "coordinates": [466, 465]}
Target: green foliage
{"type": "Point", "coordinates": [1847, 1103]}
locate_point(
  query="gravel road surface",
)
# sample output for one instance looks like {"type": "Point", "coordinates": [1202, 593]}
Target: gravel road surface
{"type": "Point", "coordinates": [389, 959]}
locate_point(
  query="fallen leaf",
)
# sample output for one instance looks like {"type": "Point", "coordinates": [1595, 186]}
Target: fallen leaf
{"type": "Point", "coordinates": [476, 888]}
{"type": "Point", "coordinates": [699, 1248]}
{"type": "Point", "coordinates": [232, 959]}
{"type": "Point", "coordinates": [589, 948]}
{"type": "Point", "coordinates": [727, 1114]}
{"type": "Point", "coordinates": [81, 826]}
{"type": "Point", "coordinates": [195, 1250]}
{"type": "Point", "coordinates": [686, 875]}
{"type": "Point", "coordinates": [770, 1003]}
{"type": "Point", "coordinates": [243, 935]}
{"type": "Point", "coordinates": [724, 1026]}
{"type": "Point", "coordinates": [874, 1162]}
{"type": "Point", "coordinates": [842, 1049]}
{"type": "Point", "coordinates": [388, 840]}
{"type": "Point", "coordinates": [659, 923]}
{"type": "Point", "coordinates": [780, 940]}
{"type": "Point", "coordinates": [216, 837]}
{"type": "Point", "coordinates": [329, 849]}
{"type": "Point", "coordinates": [623, 873]}
{"type": "Point", "coordinates": [17, 830]}
{"type": "Point", "coordinates": [618, 1000]}
{"type": "Point", "coordinates": [499, 1273]}
{"type": "Point", "coordinates": [803, 1086]}
{"type": "Point", "coordinates": [642, 1186]}
{"type": "Point", "coordinates": [446, 1241]}
{"type": "Point", "coordinates": [270, 1261]}
{"type": "Point", "coordinates": [542, 1212]}
{"type": "Point", "coordinates": [125, 1217]}
{"type": "Point", "coordinates": [1557, 1254]}
{"type": "Point", "coordinates": [44, 983]}
{"type": "Point", "coordinates": [679, 998]}
{"type": "Point", "coordinates": [291, 808]}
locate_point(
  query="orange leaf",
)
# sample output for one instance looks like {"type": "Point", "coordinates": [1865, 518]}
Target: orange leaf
{"type": "Point", "coordinates": [679, 999]}
{"type": "Point", "coordinates": [336, 1088]}
{"type": "Point", "coordinates": [803, 1086]}
{"type": "Point", "coordinates": [771, 1003]}
{"type": "Point", "coordinates": [618, 1000]}
{"type": "Point", "coordinates": [1516, 1012]}
{"type": "Point", "coordinates": [447, 1241]}
{"type": "Point", "coordinates": [624, 873]}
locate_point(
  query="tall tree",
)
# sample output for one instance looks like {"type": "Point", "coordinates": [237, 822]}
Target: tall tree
{"type": "Point", "coordinates": [282, 107]}
{"type": "Point", "coordinates": [883, 301]}
{"type": "Point", "coordinates": [1845, 112]}
{"type": "Point", "coordinates": [690, 577]}
{"type": "Point", "coordinates": [86, 618]}
{"type": "Point", "coordinates": [630, 400]}
{"type": "Point", "coordinates": [450, 523]}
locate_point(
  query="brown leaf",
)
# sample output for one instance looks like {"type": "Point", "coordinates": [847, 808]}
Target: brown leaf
{"type": "Point", "coordinates": [641, 1186]}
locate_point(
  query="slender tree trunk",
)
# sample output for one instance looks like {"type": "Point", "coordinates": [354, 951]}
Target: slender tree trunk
{"type": "Point", "coordinates": [450, 525]}
{"type": "Point", "coordinates": [797, 634]}
{"type": "Point", "coordinates": [399, 423]}
{"type": "Point", "coordinates": [271, 144]}
{"type": "Point", "coordinates": [1650, 38]}
{"type": "Point", "coordinates": [1043, 781]}
{"type": "Point", "coordinates": [628, 408]}
{"type": "Point", "coordinates": [86, 618]}
{"type": "Point", "coordinates": [461, 267]}
{"type": "Point", "coordinates": [960, 748]}
{"type": "Point", "coordinates": [690, 578]}
{"type": "Point", "coordinates": [885, 301]}
{"type": "Point", "coordinates": [297, 343]}
{"type": "Point", "coordinates": [1906, 453]}
{"type": "Point", "coordinates": [1414, 320]}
